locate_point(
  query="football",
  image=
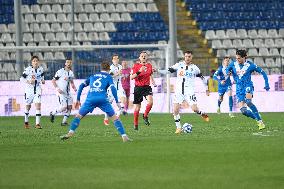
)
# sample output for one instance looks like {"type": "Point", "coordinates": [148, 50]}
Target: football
{"type": "Point", "coordinates": [187, 128]}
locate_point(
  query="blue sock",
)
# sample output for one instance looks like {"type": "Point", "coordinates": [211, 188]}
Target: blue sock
{"type": "Point", "coordinates": [219, 103]}
{"type": "Point", "coordinates": [253, 109]}
{"type": "Point", "coordinates": [75, 123]}
{"type": "Point", "coordinates": [247, 112]}
{"type": "Point", "coordinates": [231, 103]}
{"type": "Point", "coordinates": [119, 126]}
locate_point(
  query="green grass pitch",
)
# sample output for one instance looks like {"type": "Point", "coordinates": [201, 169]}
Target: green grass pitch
{"type": "Point", "coordinates": [224, 153]}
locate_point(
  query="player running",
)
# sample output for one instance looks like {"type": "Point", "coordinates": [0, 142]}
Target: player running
{"type": "Point", "coordinates": [62, 80]}
{"type": "Point", "coordinates": [184, 87]}
{"type": "Point", "coordinates": [97, 97]}
{"type": "Point", "coordinates": [224, 85]}
{"type": "Point", "coordinates": [241, 70]}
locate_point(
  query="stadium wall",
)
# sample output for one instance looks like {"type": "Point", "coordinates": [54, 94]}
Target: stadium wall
{"type": "Point", "coordinates": [12, 97]}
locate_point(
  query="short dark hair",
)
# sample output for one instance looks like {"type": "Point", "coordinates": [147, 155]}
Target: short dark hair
{"type": "Point", "coordinates": [114, 55]}
{"type": "Point", "coordinates": [226, 57]}
{"type": "Point", "coordinates": [68, 58]}
{"type": "Point", "coordinates": [105, 66]}
{"type": "Point", "coordinates": [143, 52]}
{"type": "Point", "coordinates": [188, 52]}
{"type": "Point", "coordinates": [33, 57]}
{"type": "Point", "coordinates": [241, 52]}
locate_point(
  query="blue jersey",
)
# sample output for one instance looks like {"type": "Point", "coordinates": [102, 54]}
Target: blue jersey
{"type": "Point", "coordinates": [221, 73]}
{"type": "Point", "coordinates": [97, 95]}
{"type": "Point", "coordinates": [242, 76]}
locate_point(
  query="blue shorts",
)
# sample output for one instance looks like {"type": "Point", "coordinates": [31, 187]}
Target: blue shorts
{"type": "Point", "coordinates": [102, 103]}
{"type": "Point", "coordinates": [222, 89]}
{"type": "Point", "coordinates": [242, 91]}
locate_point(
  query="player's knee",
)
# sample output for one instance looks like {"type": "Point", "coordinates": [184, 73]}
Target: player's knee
{"type": "Point", "coordinates": [249, 102]}
{"type": "Point", "coordinates": [244, 110]}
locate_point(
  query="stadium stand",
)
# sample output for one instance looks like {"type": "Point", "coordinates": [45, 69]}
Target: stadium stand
{"type": "Point", "coordinates": [255, 25]}
{"type": "Point", "coordinates": [47, 22]}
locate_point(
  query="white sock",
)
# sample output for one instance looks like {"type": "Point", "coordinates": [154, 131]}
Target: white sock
{"type": "Point", "coordinates": [106, 117]}
{"type": "Point", "coordinates": [38, 115]}
{"type": "Point", "coordinates": [177, 121]}
{"type": "Point", "coordinates": [26, 116]}
{"type": "Point", "coordinates": [67, 114]}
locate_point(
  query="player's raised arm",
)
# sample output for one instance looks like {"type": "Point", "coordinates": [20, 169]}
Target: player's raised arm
{"type": "Point", "coordinates": [81, 87]}
{"type": "Point", "coordinates": [264, 75]}
{"type": "Point", "coordinates": [204, 82]}
{"type": "Point", "coordinates": [216, 74]}
{"type": "Point", "coordinates": [170, 70]}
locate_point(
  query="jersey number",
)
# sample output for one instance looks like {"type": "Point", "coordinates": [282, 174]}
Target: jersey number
{"type": "Point", "coordinates": [97, 83]}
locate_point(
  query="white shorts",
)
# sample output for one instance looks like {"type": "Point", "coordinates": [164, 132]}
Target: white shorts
{"type": "Point", "coordinates": [189, 98]}
{"type": "Point", "coordinates": [120, 94]}
{"type": "Point", "coordinates": [65, 100]}
{"type": "Point", "coordinates": [32, 98]}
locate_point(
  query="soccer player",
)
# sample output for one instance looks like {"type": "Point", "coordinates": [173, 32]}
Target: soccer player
{"type": "Point", "coordinates": [142, 72]}
{"type": "Point", "coordinates": [241, 70]}
{"type": "Point", "coordinates": [115, 71]}
{"type": "Point", "coordinates": [125, 80]}
{"type": "Point", "coordinates": [62, 80]}
{"type": "Point", "coordinates": [33, 76]}
{"type": "Point", "coordinates": [97, 97]}
{"type": "Point", "coordinates": [184, 87]}
{"type": "Point", "coordinates": [224, 85]}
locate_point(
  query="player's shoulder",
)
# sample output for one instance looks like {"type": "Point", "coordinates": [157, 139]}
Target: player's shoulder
{"type": "Point", "coordinates": [194, 66]}
{"type": "Point", "coordinates": [28, 68]}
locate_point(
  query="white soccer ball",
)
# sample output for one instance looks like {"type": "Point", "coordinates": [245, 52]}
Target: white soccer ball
{"type": "Point", "coordinates": [187, 128]}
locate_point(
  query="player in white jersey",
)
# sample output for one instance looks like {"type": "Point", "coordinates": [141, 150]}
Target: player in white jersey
{"type": "Point", "coordinates": [184, 87]}
{"type": "Point", "coordinates": [62, 80]}
{"type": "Point", "coordinates": [33, 77]}
{"type": "Point", "coordinates": [116, 71]}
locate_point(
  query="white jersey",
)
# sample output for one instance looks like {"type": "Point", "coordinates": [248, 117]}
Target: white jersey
{"type": "Point", "coordinates": [30, 73]}
{"type": "Point", "coordinates": [115, 70]}
{"type": "Point", "coordinates": [185, 83]}
{"type": "Point", "coordinates": [63, 79]}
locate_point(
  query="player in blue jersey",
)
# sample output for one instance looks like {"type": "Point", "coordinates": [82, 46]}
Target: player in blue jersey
{"type": "Point", "coordinates": [241, 70]}
{"type": "Point", "coordinates": [224, 85]}
{"type": "Point", "coordinates": [97, 97]}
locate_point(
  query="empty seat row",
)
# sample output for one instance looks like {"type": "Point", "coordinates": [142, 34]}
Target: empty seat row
{"type": "Point", "coordinates": [90, 8]}
{"type": "Point", "coordinates": [139, 36]}
{"type": "Point", "coordinates": [243, 33]}
{"type": "Point", "coordinates": [253, 52]}
{"type": "Point", "coordinates": [59, 36]}
{"type": "Point", "coordinates": [247, 43]}
{"type": "Point", "coordinates": [81, 17]}
{"type": "Point", "coordinates": [268, 62]}
{"type": "Point", "coordinates": [66, 27]}
{"type": "Point", "coordinates": [141, 26]}
{"type": "Point", "coordinates": [88, 1]}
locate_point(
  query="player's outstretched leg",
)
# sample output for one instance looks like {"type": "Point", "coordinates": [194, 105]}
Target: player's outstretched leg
{"type": "Point", "coordinates": [203, 115]}
{"type": "Point", "coordinates": [247, 112]}
{"type": "Point", "coordinates": [106, 121]}
{"type": "Point", "coordinates": [260, 123]}
{"type": "Point", "coordinates": [119, 126]}
{"type": "Point", "coordinates": [74, 125]}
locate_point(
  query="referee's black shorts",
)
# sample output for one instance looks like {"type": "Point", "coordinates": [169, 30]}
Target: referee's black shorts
{"type": "Point", "coordinates": [140, 92]}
